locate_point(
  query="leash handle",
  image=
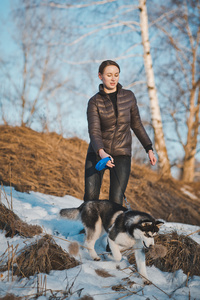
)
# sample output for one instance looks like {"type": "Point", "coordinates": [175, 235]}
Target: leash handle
{"type": "Point", "coordinates": [102, 163]}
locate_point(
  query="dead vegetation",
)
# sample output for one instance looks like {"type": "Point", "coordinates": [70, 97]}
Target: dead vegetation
{"type": "Point", "coordinates": [41, 256]}
{"type": "Point", "coordinates": [73, 248]}
{"type": "Point", "coordinates": [87, 297]}
{"type": "Point", "coordinates": [12, 225]}
{"type": "Point", "coordinates": [51, 164]}
{"type": "Point", "coordinates": [163, 198]}
{"type": "Point", "coordinates": [103, 273]}
{"type": "Point", "coordinates": [10, 297]}
{"type": "Point", "coordinates": [182, 252]}
{"type": "Point", "coordinates": [32, 161]}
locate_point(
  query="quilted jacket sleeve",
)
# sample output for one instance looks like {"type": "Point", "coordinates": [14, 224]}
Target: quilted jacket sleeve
{"type": "Point", "coordinates": [137, 126]}
{"type": "Point", "coordinates": [94, 125]}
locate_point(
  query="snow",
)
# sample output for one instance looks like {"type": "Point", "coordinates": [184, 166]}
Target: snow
{"type": "Point", "coordinates": [37, 208]}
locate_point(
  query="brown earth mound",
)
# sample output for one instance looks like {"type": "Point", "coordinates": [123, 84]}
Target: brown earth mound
{"type": "Point", "coordinates": [10, 297]}
{"type": "Point", "coordinates": [181, 253]}
{"type": "Point", "coordinates": [51, 164]}
{"type": "Point", "coordinates": [47, 163]}
{"type": "Point", "coordinates": [41, 256]}
{"type": "Point", "coordinates": [13, 225]}
{"type": "Point", "coordinates": [164, 198]}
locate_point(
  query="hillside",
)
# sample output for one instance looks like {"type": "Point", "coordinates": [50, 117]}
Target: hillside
{"type": "Point", "coordinates": [51, 164]}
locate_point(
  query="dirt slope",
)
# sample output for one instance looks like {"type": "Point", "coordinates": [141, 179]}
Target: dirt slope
{"type": "Point", "coordinates": [50, 164]}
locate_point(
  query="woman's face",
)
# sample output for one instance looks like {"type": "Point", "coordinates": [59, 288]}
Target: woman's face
{"type": "Point", "coordinates": [110, 78]}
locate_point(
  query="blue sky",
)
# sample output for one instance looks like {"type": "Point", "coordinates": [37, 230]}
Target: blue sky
{"type": "Point", "coordinates": [4, 7]}
{"type": "Point", "coordinates": [4, 12]}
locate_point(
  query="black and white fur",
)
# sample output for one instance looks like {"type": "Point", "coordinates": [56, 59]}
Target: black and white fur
{"type": "Point", "coordinates": [125, 228]}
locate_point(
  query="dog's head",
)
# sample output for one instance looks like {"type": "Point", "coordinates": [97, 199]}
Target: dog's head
{"type": "Point", "coordinates": [142, 227]}
{"type": "Point", "coordinates": [146, 231]}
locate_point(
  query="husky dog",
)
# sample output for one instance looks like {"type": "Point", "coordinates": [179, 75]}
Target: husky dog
{"type": "Point", "coordinates": [125, 228]}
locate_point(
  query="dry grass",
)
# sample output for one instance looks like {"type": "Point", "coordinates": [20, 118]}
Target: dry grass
{"type": "Point", "coordinates": [74, 248]}
{"type": "Point", "coordinates": [182, 253]}
{"type": "Point", "coordinates": [33, 161]}
{"type": "Point", "coordinates": [10, 297]}
{"type": "Point", "coordinates": [51, 164]}
{"type": "Point", "coordinates": [163, 198]}
{"type": "Point", "coordinates": [41, 256]}
{"type": "Point", "coordinates": [87, 297]}
{"type": "Point", "coordinates": [13, 225]}
{"type": "Point", "coordinates": [103, 273]}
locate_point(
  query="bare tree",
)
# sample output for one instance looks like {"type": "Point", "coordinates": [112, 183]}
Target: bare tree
{"type": "Point", "coordinates": [181, 29]}
{"type": "Point", "coordinates": [39, 77]}
{"type": "Point", "coordinates": [160, 146]}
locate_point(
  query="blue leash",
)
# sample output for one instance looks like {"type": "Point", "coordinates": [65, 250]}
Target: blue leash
{"type": "Point", "coordinates": [102, 164]}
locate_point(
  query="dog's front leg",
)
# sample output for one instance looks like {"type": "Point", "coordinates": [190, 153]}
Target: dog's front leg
{"type": "Point", "coordinates": [91, 237]}
{"type": "Point", "coordinates": [141, 264]}
{"type": "Point", "coordinates": [115, 250]}
{"type": "Point", "coordinates": [90, 245]}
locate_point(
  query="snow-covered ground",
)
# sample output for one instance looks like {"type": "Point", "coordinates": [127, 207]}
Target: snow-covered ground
{"type": "Point", "coordinates": [37, 208]}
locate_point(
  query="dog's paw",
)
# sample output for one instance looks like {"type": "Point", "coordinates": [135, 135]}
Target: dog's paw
{"type": "Point", "coordinates": [97, 258]}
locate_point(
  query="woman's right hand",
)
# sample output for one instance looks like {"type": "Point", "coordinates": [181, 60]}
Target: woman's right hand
{"type": "Point", "coordinates": [103, 154]}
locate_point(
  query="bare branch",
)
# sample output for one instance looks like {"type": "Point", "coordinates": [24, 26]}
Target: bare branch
{"type": "Point", "coordinates": [188, 27]}
{"type": "Point", "coordinates": [179, 135]}
{"type": "Point", "coordinates": [64, 6]}
{"type": "Point", "coordinates": [162, 16]}
{"type": "Point", "coordinates": [104, 27]}
{"type": "Point", "coordinates": [135, 83]}
{"type": "Point", "coordinates": [98, 60]}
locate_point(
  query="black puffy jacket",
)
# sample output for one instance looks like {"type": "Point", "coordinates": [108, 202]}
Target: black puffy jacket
{"type": "Point", "coordinates": [110, 132]}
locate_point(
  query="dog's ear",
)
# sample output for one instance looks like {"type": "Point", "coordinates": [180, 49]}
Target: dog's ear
{"type": "Point", "coordinates": [159, 223]}
{"type": "Point", "coordinates": [146, 223]}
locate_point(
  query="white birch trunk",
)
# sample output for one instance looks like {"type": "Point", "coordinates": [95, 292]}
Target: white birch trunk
{"type": "Point", "coordinates": [163, 160]}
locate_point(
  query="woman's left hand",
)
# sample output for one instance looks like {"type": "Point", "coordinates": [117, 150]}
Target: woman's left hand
{"type": "Point", "coordinates": [152, 158]}
{"type": "Point", "coordinates": [103, 154]}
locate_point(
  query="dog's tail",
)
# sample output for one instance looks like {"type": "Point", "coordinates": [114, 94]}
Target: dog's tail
{"type": "Point", "coordinates": [70, 213]}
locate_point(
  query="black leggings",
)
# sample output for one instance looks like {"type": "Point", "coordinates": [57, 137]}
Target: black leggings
{"type": "Point", "coordinates": [119, 176]}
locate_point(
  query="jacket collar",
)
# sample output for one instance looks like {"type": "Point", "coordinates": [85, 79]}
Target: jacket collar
{"type": "Point", "coordinates": [101, 90]}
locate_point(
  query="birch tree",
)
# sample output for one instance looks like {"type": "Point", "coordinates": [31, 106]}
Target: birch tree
{"type": "Point", "coordinates": [160, 146]}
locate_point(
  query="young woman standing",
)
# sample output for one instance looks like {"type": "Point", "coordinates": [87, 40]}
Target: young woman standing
{"type": "Point", "coordinates": [111, 114]}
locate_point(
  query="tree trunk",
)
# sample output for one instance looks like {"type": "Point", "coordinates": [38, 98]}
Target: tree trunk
{"type": "Point", "coordinates": [163, 160]}
{"type": "Point", "coordinates": [188, 167]}
{"type": "Point", "coordinates": [190, 147]}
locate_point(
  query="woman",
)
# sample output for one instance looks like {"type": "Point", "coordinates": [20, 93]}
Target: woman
{"type": "Point", "coordinates": [111, 113]}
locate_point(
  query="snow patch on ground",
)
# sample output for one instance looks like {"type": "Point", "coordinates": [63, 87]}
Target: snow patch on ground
{"type": "Point", "coordinates": [37, 208]}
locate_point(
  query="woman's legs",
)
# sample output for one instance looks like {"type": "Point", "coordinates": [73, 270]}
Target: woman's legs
{"type": "Point", "coordinates": [119, 176]}
{"type": "Point", "coordinates": [93, 178]}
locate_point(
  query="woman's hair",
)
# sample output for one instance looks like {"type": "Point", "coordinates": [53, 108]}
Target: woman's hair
{"type": "Point", "coordinates": [106, 63]}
